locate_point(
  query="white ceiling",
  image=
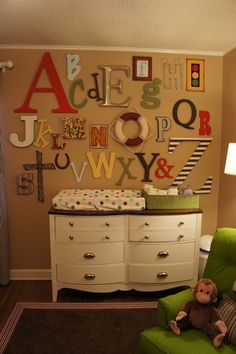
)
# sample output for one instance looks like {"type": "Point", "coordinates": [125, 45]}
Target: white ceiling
{"type": "Point", "coordinates": [167, 25]}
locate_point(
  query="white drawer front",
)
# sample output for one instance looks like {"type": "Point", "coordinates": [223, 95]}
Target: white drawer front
{"type": "Point", "coordinates": [161, 253]}
{"type": "Point", "coordinates": [150, 235]}
{"type": "Point", "coordinates": [154, 274]}
{"type": "Point", "coordinates": [90, 222]}
{"type": "Point", "coordinates": [90, 253]}
{"type": "Point", "coordinates": [162, 221]}
{"type": "Point", "coordinates": [75, 235]}
{"type": "Point", "coordinates": [103, 274]}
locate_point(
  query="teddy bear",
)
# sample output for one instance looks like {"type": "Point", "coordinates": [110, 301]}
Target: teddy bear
{"type": "Point", "coordinates": [200, 313]}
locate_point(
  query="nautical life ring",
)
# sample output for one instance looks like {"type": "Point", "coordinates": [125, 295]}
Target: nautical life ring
{"type": "Point", "coordinates": [144, 129]}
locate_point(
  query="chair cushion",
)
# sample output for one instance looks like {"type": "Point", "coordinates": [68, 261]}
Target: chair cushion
{"type": "Point", "coordinates": [227, 310]}
{"type": "Point", "coordinates": [221, 263]}
{"type": "Point", "coordinates": [159, 341]}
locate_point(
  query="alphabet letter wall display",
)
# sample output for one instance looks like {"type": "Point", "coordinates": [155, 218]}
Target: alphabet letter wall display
{"type": "Point", "coordinates": [78, 177]}
{"type": "Point", "coordinates": [163, 170]}
{"type": "Point", "coordinates": [73, 68]}
{"type": "Point", "coordinates": [146, 166]}
{"type": "Point", "coordinates": [125, 170]}
{"type": "Point", "coordinates": [102, 161]}
{"type": "Point", "coordinates": [56, 88]}
{"type": "Point", "coordinates": [192, 161]}
{"type": "Point", "coordinates": [172, 74]}
{"type": "Point", "coordinates": [205, 128]}
{"type": "Point", "coordinates": [98, 136]}
{"type": "Point", "coordinates": [24, 183]}
{"type": "Point", "coordinates": [163, 124]}
{"type": "Point", "coordinates": [39, 167]}
{"type": "Point", "coordinates": [186, 125]}
{"type": "Point", "coordinates": [29, 132]}
{"type": "Point", "coordinates": [108, 86]}
{"type": "Point", "coordinates": [40, 137]}
{"type": "Point", "coordinates": [150, 90]}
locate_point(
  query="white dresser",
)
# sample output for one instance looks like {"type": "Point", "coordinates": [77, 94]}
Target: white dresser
{"type": "Point", "coordinates": [107, 251]}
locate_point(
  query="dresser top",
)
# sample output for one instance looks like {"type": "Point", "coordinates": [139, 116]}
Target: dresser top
{"type": "Point", "coordinates": [125, 212]}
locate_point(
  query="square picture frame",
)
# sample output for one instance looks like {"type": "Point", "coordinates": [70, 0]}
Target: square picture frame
{"type": "Point", "coordinates": [195, 75]}
{"type": "Point", "coordinates": [142, 68]}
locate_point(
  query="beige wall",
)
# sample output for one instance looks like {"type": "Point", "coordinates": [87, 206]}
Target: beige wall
{"type": "Point", "coordinates": [28, 218]}
{"type": "Point", "coordinates": [227, 188]}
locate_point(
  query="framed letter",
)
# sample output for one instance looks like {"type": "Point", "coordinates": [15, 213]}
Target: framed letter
{"type": "Point", "coordinates": [142, 68]}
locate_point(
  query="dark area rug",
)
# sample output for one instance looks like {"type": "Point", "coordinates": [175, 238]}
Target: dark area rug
{"type": "Point", "coordinates": [63, 328]}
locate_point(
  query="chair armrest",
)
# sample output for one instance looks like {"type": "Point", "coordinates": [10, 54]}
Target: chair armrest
{"type": "Point", "coordinates": [169, 306]}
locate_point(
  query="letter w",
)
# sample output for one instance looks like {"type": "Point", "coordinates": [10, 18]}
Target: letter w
{"type": "Point", "coordinates": [102, 161]}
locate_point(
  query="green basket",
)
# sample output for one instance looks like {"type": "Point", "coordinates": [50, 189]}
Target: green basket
{"type": "Point", "coordinates": [171, 201]}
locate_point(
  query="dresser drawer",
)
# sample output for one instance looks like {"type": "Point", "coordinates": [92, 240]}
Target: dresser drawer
{"type": "Point", "coordinates": [90, 253]}
{"type": "Point", "coordinates": [154, 274]}
{"type": "Point", "coordinates": [75, 235]}
{"type": "Point", "coordinates": [161, 253]}
{"type": "Point", "coordinates": [90, 222]}
{"type": "Point", "coordinates": [99, 274]}
{"type": "Point", "coordinates": [150, 235]}
{"type": "Point", "coordinates": [162, 222]}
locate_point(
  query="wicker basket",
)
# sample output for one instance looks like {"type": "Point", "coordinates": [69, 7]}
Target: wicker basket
{"type": "Point", "coordinates": [171, 201]}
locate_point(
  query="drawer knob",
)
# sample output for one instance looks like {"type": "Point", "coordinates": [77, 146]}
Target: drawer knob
{"type": "Point", "coordinates": [107, 237]}
{"type": "Point", "coordinates": [89, 276]}
{"type": "Point", "coordinates": [107, 223]}
{"type": "Point", "coordinates": [89, 255]}
{"type": "Point", "coordinates": [71, 237]}
{"type": "Point", "coordinates": [181, 223]}
{"type": "Point", "coordinates": [71, 223]}
{"type": "Point", "coordinates": [162, 275]}
{"type": "Point", "coordinates": [163, 254]}
{"type": "Point", "coordinates": [147, 223]}
{"type": "Point", "coordinates": [146, 237]}
{"type": "Point", "coordinates": [181, 236]}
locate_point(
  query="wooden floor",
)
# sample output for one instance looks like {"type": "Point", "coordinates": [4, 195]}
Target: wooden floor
{"type": "Point", "coordinates": [40, 291]}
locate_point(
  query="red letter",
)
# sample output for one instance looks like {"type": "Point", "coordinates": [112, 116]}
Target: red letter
{"type": "Point", "coordinates": [56, 88]}
{"type": "Point", "coordinates": [205, 128]}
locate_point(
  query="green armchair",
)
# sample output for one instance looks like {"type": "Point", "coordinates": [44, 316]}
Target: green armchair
{"type": "Point", "coordinates": [221, 268]}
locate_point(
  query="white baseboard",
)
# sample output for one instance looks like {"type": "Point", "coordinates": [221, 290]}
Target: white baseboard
{"type": "Point", "coordinates": [30, 274]}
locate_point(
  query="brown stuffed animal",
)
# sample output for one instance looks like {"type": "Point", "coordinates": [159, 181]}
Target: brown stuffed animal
{"type": "Point", "coordinates": [201, 314]}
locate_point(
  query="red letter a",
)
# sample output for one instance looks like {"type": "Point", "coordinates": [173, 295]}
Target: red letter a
{"type": "Point", "coordinates": [56, 88]}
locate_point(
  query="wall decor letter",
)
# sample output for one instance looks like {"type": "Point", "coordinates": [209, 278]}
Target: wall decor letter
{"type": "Point", "coordinates": [42, 133]}
{"type": "Point", "coordinates": [192, 161]}
{"type": "Point", "coordinates": [163, 124]}
{"type": "Point", "coordinates": [76, 83]}
{"type": "Point", "coordinates": [146, 166]}
{"type": "Point", "coordinates": [94, 92]}
{"type": "Point", "coordinates": [102, 161]}
{"type": "Point", "coordinates": [66, 164]}
{"type": "Point", "coordinates": [39, 166]}
{"type": "Point", "coordinates": [78, 177]}
{"type": "Point", "coordinates": [56, 144]}
{"type": "Point", "coordinates": [98, 136]}
{"type": "Point", "coordinates": [172, 74]}
{"type": "Point", "coordinates": [108, 86]}
{"type": "Point", "coordinates": [205, 128]}
{"type": "Point", "coordinates": [151, 90]}
{"type": "Point", "coordinates": [25, 183]}
{"type": "Point", "coordinates": [186, 125]}
{"type": "Point", "coordinates": [29, 132]}
{"type": "Point", "coordinates": [56, 88]}
{"type": "Point", "coordinates": [125, 170]}
{"type": "Point", "coordinates": [73, 68]}
{"type": "Point", "coordinates": [142, 68]}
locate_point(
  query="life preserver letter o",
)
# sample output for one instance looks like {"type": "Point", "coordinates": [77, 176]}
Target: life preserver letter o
{"type": "Point", "coordinates": [144, 128]}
